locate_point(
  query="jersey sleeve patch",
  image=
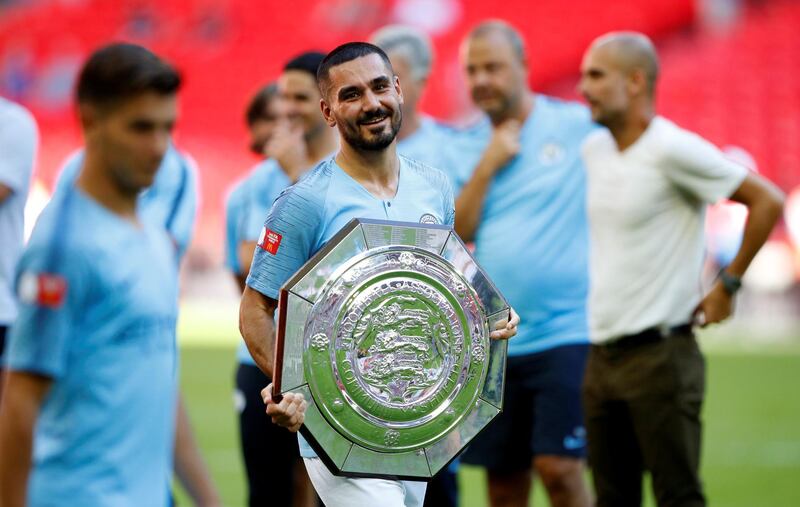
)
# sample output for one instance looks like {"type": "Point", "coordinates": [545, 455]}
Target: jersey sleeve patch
{"type": "Point", "coordinates": [269, 240]}
{"type": "Point", "coordinates": [42, 289]}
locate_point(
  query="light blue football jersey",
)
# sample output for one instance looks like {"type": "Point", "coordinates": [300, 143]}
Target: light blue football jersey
{"type": "Point", "coordinates": [235, 206]}
{"type": "Point", "coordinates": [170, 202]}
{"type": "Point", "coordinates": [264, 186]}
{"type": "Point", "coordinates": [533, 234]}
{"type": "Point", "coordinates": [98, 307]}
{"type": "Point", "coordinates": [308, 214]}
{"type": "Point", "coordinates": [246, 208]}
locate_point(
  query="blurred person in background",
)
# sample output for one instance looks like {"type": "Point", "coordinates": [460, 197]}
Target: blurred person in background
{"type": "Point", "coordinates": [269, 451]}
{"type": "Point", "coordinates": [649, 182]}
{"type": "Point", "coordinates": [525, 189]}
{"type": "Point", "coordinates": [299, 139]}
{"type": "Point", "coordinates": [171, 202]}
{"type": "Point", "coordinates": [261, 117]}
{"type": "Point", "coordinates": [92, 383]}
{"type": "Point", "coordinates": [420, 138]}
{"type": "Point", "coordinates": [19, 138]}
{"type": "Point", "coordinates": [363, 99]}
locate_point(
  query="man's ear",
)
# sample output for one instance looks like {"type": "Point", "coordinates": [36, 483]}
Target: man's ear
{"type": "Point", "coordinates": [88, 116]}
{"type": "Point", "coordinates": [637, 82]}
{"type": "Point", "coordinates": [398, 89]}
{"type": "Point", "coordinates": [326, 113]}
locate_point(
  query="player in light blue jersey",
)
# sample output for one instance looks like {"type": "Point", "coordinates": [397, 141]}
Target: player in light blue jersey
{"type": "Point", "coordinates": [525, 188]}
{"type": "Point", "coordinates": [366, 178]}
{"type": "Point", "coordinates": [88, 416]}
{"type": "Point", "coordinates": [299, 141]}
{"type": "Point", "coordinates": [423, 139]}
{"type": "Point", "coordinates": [171, 201]}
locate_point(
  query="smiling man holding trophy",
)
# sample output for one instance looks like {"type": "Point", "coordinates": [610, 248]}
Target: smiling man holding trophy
{"type": "Point", "coordinates": [385, 324]}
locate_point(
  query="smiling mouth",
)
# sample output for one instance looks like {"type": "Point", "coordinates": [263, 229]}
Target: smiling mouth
{"type": "Point", "coordinates": [374, 121]}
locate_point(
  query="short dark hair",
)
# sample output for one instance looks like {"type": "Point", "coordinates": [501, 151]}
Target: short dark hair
{"type": "Point", "coordinates": [345, 53]}
{"type": "Point", "coordinates": [306, 62]}
{"type": "Point", "coordinates": [120, 71]}
{"type": "Point", "coordinates": [259, 103]}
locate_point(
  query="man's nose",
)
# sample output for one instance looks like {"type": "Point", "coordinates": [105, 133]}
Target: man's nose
{"type": "Point", "coordinates": [370, 101]}
{"type": "Point", "coordinates": [161, 141]}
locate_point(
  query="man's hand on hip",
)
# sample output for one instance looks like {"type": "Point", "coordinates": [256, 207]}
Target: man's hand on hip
{"type": "Point", "coordinates": [715, 307]}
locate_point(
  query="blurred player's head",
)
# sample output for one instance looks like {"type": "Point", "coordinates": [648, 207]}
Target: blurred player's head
{"type": "Point", "coordinates": [299, 92]}
{"type": "Point", "coordinates": [361, 95]}
{"type": "Point", "coordinates": [493, 56]}
{"type": "Point", "coordinates": [127, 104]}
{"type": "Point", "coordinates": [618, 75]}
{"type": "Point", "coordinates": [411, 55]}
{"type": "Point", "coordinates": [261, 116]}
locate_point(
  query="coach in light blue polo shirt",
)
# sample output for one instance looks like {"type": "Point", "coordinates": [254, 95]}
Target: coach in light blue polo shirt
{"type": "Point", "coordinates": [88, 416]}
{"type": "Point", "coordinates": [541, 222]}
{"type": "Point", "coordinates": [522, 186]}
{"type": "Point", "coordinates": [172, 200]}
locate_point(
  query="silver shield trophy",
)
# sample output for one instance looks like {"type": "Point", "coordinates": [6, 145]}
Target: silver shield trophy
{"type": "Point", "coordinates": [386, 332]}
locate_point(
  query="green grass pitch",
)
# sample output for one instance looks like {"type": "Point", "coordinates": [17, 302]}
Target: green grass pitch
{"type": "Point", "coordinates": [751, 455]}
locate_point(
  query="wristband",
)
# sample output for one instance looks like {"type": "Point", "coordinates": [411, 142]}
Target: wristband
{"type": "Point", "coordinates": [731, 283]}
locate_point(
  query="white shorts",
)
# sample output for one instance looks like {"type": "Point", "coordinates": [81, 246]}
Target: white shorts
{"type": "Point", "coordinates": [336, 491]}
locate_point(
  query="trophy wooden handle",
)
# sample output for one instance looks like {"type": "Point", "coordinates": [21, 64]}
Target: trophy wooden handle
{"type": "Point", "coordinates": [280, 335]}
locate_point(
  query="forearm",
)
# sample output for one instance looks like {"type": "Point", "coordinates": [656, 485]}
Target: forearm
{"type": "Point", "coordinates": [16, 443]}
{"type": "Point", "coordinates": [18, 413]}
{"type": "Point", "coordinates": [190, 468]}
{"type": "Point", "coordinates": [257, 327]}
{"type": "Point", "coordinates": [469, 204]}
{"type": "Point", "coordinates": [762, 217]}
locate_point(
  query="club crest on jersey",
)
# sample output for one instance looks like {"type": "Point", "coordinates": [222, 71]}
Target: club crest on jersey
{"type": "Point", "coordinates": [427, 218]}
{"type": "Point", "coordinates": [42, 289]}
{"type": "Point", "coordinates": [551, 153]}
{"type": "Point", "coordinates": [269, 240]}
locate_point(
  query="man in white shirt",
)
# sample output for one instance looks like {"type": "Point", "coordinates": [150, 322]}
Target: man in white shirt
{"type": "Point", "coordinates": [18, 139]}
{"type": "Point", "coordinates": [649, 182]}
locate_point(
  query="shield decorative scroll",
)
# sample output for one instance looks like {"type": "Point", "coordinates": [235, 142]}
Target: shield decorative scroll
{"type": "Point", "coordinates": [386, 332]}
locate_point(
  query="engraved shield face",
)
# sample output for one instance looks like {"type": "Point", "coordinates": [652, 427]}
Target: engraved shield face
{"type": "Point", "coordinates": [386, 331]}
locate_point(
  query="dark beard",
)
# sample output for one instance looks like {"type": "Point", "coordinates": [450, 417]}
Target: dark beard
{"type": "Point", "coordinates": [379, 142]}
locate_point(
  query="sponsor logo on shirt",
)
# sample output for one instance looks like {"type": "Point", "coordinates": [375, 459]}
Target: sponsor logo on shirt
{"type": "Point", "coordinates": [269, 240]}
{"type": "Point", "coordinates": [42, 289]}
{"type": "Point", "coordinates": [427, 218]}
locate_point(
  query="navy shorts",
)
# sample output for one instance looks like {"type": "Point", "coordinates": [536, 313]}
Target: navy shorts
{"type": "Point", "coordinates": [542, 413]}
